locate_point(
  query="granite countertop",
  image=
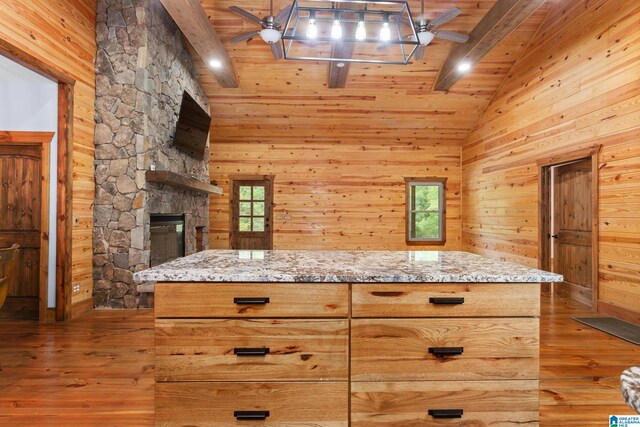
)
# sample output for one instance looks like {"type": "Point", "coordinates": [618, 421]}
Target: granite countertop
{"type": "Point", "coordinates": [340, 266]}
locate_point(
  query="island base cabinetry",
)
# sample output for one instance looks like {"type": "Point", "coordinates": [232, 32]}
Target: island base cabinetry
{"type": "Point", "coordinates": [272, 404]}
{"type": "Point", "coordinates": [382, 354]}
{"type": "Point", "coordinates": [454, 403]}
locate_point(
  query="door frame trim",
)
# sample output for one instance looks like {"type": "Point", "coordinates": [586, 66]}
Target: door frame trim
{"type": "Point", "coordinates": [244, 177]}
{"type": "Point", "coordinates": [42, 140]}
{"type": "Point", "coordinates": [544, 201]}
{"type": "Point", "coordinates": [64, 179]}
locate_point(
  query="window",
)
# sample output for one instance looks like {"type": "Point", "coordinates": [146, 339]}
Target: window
{"type": "Point", "coordinates": [251, 208]}
{"type": "Point", "coordinates": [425, 211]}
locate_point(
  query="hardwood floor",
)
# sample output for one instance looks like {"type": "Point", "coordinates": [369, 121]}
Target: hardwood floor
{"type": "Point", "coordinates": [97, 370]}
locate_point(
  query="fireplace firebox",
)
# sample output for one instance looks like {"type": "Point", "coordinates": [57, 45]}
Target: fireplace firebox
{"type": "Point", "coordinates": [167, 238]}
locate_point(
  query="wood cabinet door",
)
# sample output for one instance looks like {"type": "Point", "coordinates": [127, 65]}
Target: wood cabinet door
{"type": "Point", "coordinates": [251, 212]}
{"type": "Point", "coordinates": [572, 229]}
{"type": "Point", "coordinates": [20, 222]}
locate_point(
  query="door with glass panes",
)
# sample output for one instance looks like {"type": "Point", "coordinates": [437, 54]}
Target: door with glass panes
{"type": "Point", "coordinates": [251, 202]}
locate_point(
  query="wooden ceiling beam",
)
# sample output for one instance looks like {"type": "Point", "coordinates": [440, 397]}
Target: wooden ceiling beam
{"type": "Point", "coordinates": [504, 17]}
{"type": "Point", "coordinates": [197, 29]}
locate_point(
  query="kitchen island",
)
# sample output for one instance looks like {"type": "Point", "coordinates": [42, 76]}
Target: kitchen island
{"type": "Point", "coordinates": [339, 338]}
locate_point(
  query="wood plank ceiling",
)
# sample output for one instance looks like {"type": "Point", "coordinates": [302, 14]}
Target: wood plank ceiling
{"type": "Point", "coordinates": [289, 101]}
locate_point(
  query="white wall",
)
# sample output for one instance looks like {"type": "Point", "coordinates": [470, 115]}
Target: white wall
{"type": "Point", "coordinates": [29, 102]}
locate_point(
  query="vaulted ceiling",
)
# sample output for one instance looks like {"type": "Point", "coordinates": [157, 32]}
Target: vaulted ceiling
{"type": "Point", "coordinates": [289, 101]}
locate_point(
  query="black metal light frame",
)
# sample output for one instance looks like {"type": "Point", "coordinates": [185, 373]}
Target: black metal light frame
{"type": "Point", "coordinates": [291, 32]}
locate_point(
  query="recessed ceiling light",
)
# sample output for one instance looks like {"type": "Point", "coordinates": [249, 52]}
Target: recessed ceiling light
{"type": "Point", "coordinates": [464, 66]}
{"type": "Point", "coordinates": [214, 63]}
{"type": "Point", "coordinates": [340, 64]}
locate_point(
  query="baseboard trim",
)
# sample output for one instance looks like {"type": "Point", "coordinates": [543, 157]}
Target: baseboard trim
{"type": "Point", "coordinates": [81, 307]}
{"type": "Point", "coordinates": [618, 312]}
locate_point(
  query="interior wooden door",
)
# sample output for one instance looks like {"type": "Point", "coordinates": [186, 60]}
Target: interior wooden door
{"type": "Point", "coordinates": [22, 210]}
{"type": "Point", "coordinates": [251, 211]}
{"type": "Point", "coordinates": [572, 229]}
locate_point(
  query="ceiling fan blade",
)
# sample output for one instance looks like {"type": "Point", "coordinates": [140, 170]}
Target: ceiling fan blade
{"type": "Point", "coordinates": [283, 15]}
{"type": "Point", "coordinates": [244, 36]}
{"type": "Point", "coordinates": [451, 35]}
{"type": "Point", "coordinates": [246, 15]}
{"type": "Point", "coordinates": [276, 50]}
{"type": "Point", "coordinates": [445, 17]}
{"type": "Point", "coordinates": [419, 53]}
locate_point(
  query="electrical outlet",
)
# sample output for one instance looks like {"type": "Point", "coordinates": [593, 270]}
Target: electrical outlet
{"type": "Point", "coordinates": [76, 288]}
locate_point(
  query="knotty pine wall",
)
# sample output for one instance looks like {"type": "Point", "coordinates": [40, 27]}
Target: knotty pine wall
{"type": "Point", "coordinates": [62, 35]}
{"type": "Point", "coordinates": [576, 85]}
{"type": "Point", "coordinates": [338, 196]}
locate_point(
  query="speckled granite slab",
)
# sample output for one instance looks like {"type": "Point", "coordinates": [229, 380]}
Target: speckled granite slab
{"type": "Point", "coordinates": [340, 266]}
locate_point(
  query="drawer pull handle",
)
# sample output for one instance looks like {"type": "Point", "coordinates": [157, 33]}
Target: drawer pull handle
{"type": "Point", "coordinates": [446, 351]}
{"type": "Point", "coordinates": [257, 351]}
{"type": "Point", "coordinates": [446, 301]}
{"type": "Point", "coordinates": [251, 415]}
{"type": "Point", "coordinates": [446, 413]}
{"type": "Point", "coordinates": [251, 301]}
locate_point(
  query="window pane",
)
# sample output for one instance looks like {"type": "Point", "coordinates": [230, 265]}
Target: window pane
{"type": "Point", "coordinates": [425, 197]}
{"type": "Point", "coordinates": [258, 192]}
{"type": "Point", "coordinates": [258, 208]}
{"type": "Point", "coordinates": [245, 208]}
{"type": "Point", "coordinates": [425, 225]}
{"type": "Point", "coordinates": [245, 224]}
{"type": "Point", "coordinates": [258, 224]}
{"type": "Point", "coordinates": [245, 192]}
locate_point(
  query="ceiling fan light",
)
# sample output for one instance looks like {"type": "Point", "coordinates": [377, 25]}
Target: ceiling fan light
{"type": "Point", "coordinates": [270, 35]}
{"type": "Point", "coordinates": [425, 37]}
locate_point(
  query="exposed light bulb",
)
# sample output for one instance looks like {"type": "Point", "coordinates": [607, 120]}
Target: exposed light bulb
{"type": "Point", "coordinates": [464, 66]}
{"type": "Point", "coordinates": [385, 32]}
{"type": "Point", "coordinates": [214, 63]}
{"type": "Point", "coordinates": [361, 30]}
{"type": "Point", "coordinates": [336, 30]}
{"type": "Point", "coordinates": [312, 29]}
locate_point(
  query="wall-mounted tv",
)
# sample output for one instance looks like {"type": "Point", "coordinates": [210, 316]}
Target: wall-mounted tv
{"type": "Point", "coordinates": [192, 130]}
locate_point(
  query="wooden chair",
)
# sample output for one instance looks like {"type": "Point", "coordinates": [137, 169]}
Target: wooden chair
{"type": "Point", "coordinates": [8, 260]}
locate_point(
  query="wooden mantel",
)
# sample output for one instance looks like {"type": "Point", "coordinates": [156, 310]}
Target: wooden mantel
{"type": "Point", "coordinates": [180, 181]}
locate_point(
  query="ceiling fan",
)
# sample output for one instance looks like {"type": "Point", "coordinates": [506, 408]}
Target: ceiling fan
{"type": "Point", "coordinates": [426, 30]}
{"type": "Point", "coordinates": [270, 24]}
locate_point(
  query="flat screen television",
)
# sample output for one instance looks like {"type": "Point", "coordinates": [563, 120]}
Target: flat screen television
{"type": "Point", "coordinates": [192, 129]}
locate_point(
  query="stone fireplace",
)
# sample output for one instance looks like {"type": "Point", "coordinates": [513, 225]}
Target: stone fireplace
{"type": "Point", "coordinates": [142, 69]}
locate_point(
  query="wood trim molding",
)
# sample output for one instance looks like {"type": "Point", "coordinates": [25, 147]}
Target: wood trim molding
{"type": "Point", "coordinates": [504, 17]}
{"type": "Point", "coordinates": [544, 166]}
{"type": "Point", "coordinates": [34, 64]}
{"type": "Point", "coordinates": [194, 23]}
{"type": "Point", "coordinates": [618, 312]}
{"type": "Point", "coordinates": [43, 140]}
{"type": "Point", "coordinates": [64, 206]}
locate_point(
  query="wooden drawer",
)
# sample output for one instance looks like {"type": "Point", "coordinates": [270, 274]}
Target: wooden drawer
{"type": "Point", "coordinates": [225, 350]}
{"type": "Point", "coordinates": [483, 403]}
{"type": "Point", "coordinates": [445, 299]}
{"type": "Point", "coordinates": [399, 349]}
{"type": "Point", "coordinates": [235, 300]}
{"type": "Point", "coordinates": [289, 404]}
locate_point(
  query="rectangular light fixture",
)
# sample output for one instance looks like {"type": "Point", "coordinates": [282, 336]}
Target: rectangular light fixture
{"type": "Point", "coordinates": [379, 32]}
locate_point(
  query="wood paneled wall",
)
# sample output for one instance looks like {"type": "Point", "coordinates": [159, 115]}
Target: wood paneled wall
{"type": "Point", "coordinates": [61, 34]}
{"type": "Point", "coordinates": [576, 85]}
{"type": "Point", "coordinates": [335, 196]}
